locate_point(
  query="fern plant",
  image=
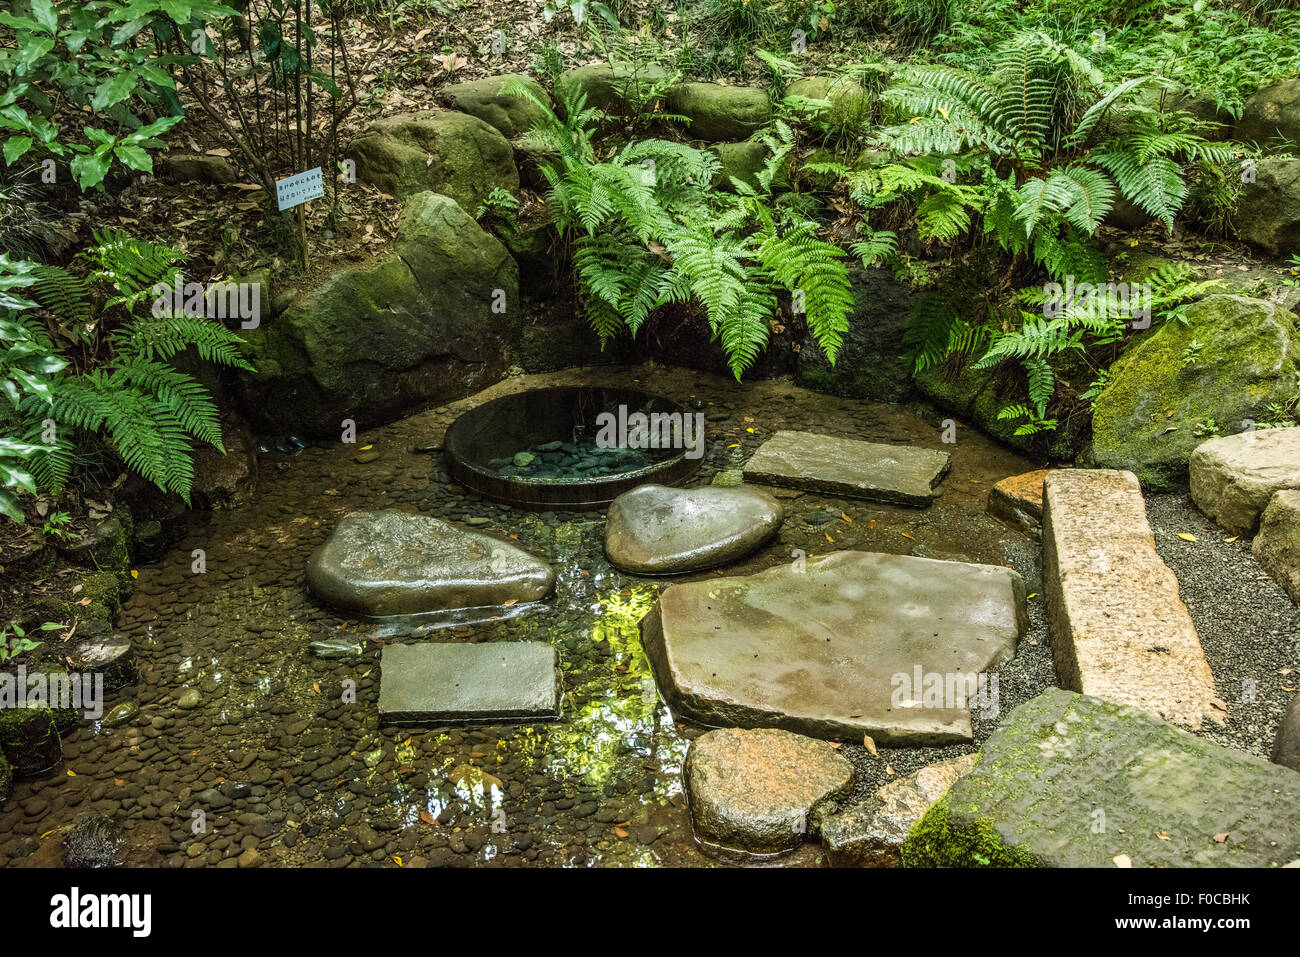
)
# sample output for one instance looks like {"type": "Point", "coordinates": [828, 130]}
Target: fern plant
{"type": "Point", "coordinates": [646, 229]}
{"type": "Point", "coordinates": [127, 389]}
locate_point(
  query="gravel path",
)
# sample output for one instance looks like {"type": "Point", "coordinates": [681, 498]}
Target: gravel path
{"type": "Point", "coordinates": [1248, 626]}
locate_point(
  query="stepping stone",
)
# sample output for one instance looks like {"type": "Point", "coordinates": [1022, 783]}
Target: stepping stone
{"type": "Point", "coordinates": [871, 834]}
{"type": "Point", "coordinates": [394, 563]}
{"type": "Point", "coordinates": [902, 474]}
{"type": "Point", "coordinates": [1233, 478]}
{"type": "Point", "coordinates": [110, 656]}
{"type": "Point", "coordinates": [1074, 781]}
{"type": "Point", "coordinates": [755, 790]}
{"type": "Point", "coordinates": [1018, 501]}
{"type": "Point", "coordinates": [439, 683]}
{"type": "Point", "coordinates": [1120, 631]}
{"type": "Point", "coordinates": [1286, 746]}
{"type": "Point", "coordinates": [1277, 546]}
{"type": "Point", "coordinates": [656, 530]}
{"type": "Point", "coordinates": [854, 643]}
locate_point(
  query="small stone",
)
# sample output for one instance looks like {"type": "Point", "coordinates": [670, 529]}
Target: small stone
{"type": "Point", "coordinates": [1018, 501]}
{"type": "Point", "coordinates": [523, 459]}
{"type": "Point", "coordinates": [121, 714]}
{"type": "Point", "coordinates": [370, 455]}
{"type": "Point", "coordinates": [1286, 746]}
{"type": "Point", "coordinates": [188, 700]}
{"type": "Point", "coordinates": [755, 790]}
{"type": "Point", "coordinates": [250, 858]}
{"type": "Point", "coordinates": [330, 648]}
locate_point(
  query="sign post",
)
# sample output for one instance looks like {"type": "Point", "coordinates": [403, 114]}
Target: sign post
{"type": "Point", "coordinates": [295, 191]}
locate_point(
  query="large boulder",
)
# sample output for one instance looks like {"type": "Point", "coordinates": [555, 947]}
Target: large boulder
{"type": "Point", "coordinates": [1231, 360]}
{"type": "Point", "coordinates": [451, 153]}
{"type": "Point", "coordinates": [870, 362]}
{"type": "Point", "coordinates": [426, 323]}
{"type": "Point", "coordinates": [1073, 781]}
{"type": "Point", "coordinates": [1271, 116]}
{"type": "Point", "coordinates": [1233, 477]}
{"type": "Point", "coordinates": [394, 563]}
{"type": "Point", "coordinates": [720, 112]}
{"type": "Point", "coordinates": [614, 89]}
{"type": "Point", "coordinates": [509, 113]}
{"type": "Point", "coordinates": [1268, 212]}
{"type": "Point", "coordinates": [1277, 546]}
{"type": "Point", "coordinates": [756, 790]}
{"type": "Point", "coordinates": [740, 161]}
{"type": "Point", "coordinates": [656, 530]}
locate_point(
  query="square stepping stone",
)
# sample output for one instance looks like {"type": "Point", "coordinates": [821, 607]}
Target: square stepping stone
{"type": "Point", "coordinates": [902, 474]}
{"type": "Point", "coordinates": [439, 683]}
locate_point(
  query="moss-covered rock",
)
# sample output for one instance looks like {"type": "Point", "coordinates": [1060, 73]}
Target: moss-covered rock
{"type": "Point", "coordinates": [453, 154]}
{"type": "Point", "coordinates": [1074, 781]}
{"type": "Point", "coordinates": [1268, 212]}
{"type": "Point", "coordinates": [614, 89]}
{"type": "Point", "coordinates": [29, 738]}
{"type": "Point", "coordinates": [6, 779]}
{"type": "Point", "coordinates": [850, 105]}
{"type": "Point", "coordinates": [426, 323]}
{"type": "Point", "coordinates": [1231, 359]}
{"type": "Point", "coordinates": [1271, 116]}
{"type": "Point", "coordinates": [742, 161]}
{"type": "Point", "coordinates": [720, 112]}
{"type": "Point", "coordinates": [510, 113]}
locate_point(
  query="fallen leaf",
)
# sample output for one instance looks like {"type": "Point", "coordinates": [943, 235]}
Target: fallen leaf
{"type": "Point", "coordinates": [1221, 838]}
{"type": "Point", "coordinates": [621, 832]}
{"type": "Point", "coordinates": [428, 818]}
{"type": "Point", "coordinates": [869, 743]}
{"type": "Point", "coordinates": [905, 535]}
{"type": "Point", "coordinates": [846, 518]}
{"type": "Point", "coordinates": [1186, 537]}
{"type": "Point", "coordinates": [1122, 860]}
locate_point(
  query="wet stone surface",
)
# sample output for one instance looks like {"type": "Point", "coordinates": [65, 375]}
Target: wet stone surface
{"type": "Point", "coordinates": [280, 764]}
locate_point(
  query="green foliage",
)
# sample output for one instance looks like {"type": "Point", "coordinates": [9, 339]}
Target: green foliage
{"type": "Point", "coordinates": [87, 54]}
{"type": "Point", "coordinates": [647, 229]}
{"type": "Point", "coordinates": [146, 409]}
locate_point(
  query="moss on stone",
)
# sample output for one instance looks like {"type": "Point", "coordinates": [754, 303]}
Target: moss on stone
{"type": "Point", "coordinates": [937, 840]}
{"type": "Point", "coordinates": [6, 779]}
{"type": "Point", "coordinates": [1226, 364]}
{"type": "Point", "coordinates": [29, 739]}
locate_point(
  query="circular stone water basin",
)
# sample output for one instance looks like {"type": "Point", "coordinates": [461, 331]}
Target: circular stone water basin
{"type": "Point", "coordinates": [575, 447]}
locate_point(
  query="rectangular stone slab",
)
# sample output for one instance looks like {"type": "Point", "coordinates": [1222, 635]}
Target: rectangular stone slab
{"type": "Point", "coordinates": [833, 649]}
{"type": "Point", "coordinates": [439, 683]}
{"type": "Point", "coordinates": [1074, 781]}
{"type": "Point", "coordinates": [902, 474]}
{"type": "Point", "coordinates": [1120, 630]}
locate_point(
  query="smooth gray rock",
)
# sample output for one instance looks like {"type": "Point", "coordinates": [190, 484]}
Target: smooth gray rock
{"type": "Point", "coordinates": [872, 834]}
{"type": "Point", "coordinates": [902, 474]}
{"type": "Point", "coordinates": [1233, 477]}
{"type": "Point", "coordinates": [1074, 781]}
{"type": "Point", "coordinates": [834, 650]}
{"type": "Point", "coordinates": [438, 683]}
{"type": "Point", "coordinates": [657, 530]}
{"type": "Point", "coordinates": [394, 563]}
{"type": "Point", "coordinates": [756, 790]}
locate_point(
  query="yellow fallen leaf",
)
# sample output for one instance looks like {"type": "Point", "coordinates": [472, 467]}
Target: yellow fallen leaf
{"type": "Point", "coordinates": [846, 518]}
{"type": "Point", "coordinates": [398, 858]}
{"type": "Point", "coordinates": [1232, 538]}
{"type": "Point", "coordinates": [1163, 835]}
{"type": "Point", "coordinates": [905, 535]}
{"type": "Point", "coordinates": [134, 573]}
{"type": "Point", "coordinates": [1034, 595]}
{"type": "Point", "coordinates": [734, 445]}
{"type": "Point", "coordinates": [1187, 538]}
{"type": "Point", "coordinates": [365, 447]}
{"type": "Point", "coordinates": [869, 743]}
{"type": "Point", "coordinates": [71, 773]}
{"type": "Point", "coordinates": [828, 537]}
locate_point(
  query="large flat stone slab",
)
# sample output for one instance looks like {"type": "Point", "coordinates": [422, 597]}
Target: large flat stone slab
{"type": "Point", "coordinates": [1277, 546]}
{"type": "Point", "coordinates": [1120, 630]}
{"type": "Point", "coordinates": [1074, 781]}
{"type": "Point", "coordinates": [1232, 478]}
{"type": "Point", "coordinates": [855, 643]}
{"type": "Point", "coordinates": [438, 683]}
{"type": "Point", "coordinates": [755, 790]}
{"type": "Point", "coordinates": [657, 530]}
{"type": "Point", "coordinates": [902, 474]}
{"type": "Point", "coordinates": [395, 563]}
